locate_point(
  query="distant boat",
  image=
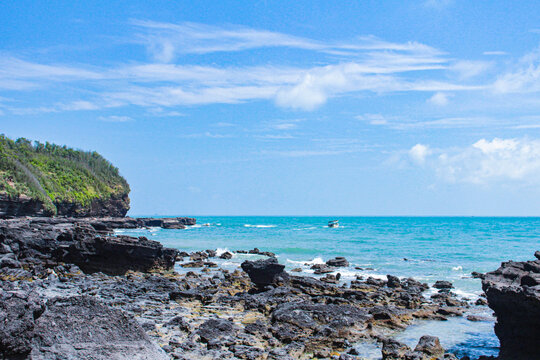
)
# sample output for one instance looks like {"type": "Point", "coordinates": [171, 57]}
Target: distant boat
{"type": "Point", "coordinates": [333, 224]}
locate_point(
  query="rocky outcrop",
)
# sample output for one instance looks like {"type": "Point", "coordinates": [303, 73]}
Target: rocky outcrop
{"type": "Point", "coordinates": [47, 241]}
{"type": "Point", "coordinates": [265, 272]}
{"type": "Point", "coordinates": [338, 262]}
{"type": "Point", "coordinates": [77, 327]}
{"type": "Point", "coordinates": [428, 348]}
{"type": "Point", "coordinates": [108, 224]}
{"type": "Point", "coordinates": [114, 207]}
{"type": "Point", "coordinates": [26, 206]}
{"type": "Point", "coordinates": [513, 292]}
{"type": "Point", "coordinates": [21, 206]}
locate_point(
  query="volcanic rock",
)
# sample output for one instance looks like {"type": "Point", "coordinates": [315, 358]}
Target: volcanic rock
{"type": "Point", "coordinates": [513, 292]}
{"type": "Point", "coordinates": [338, 262]}
{"type": "Point", "coordinates": [265, 272]}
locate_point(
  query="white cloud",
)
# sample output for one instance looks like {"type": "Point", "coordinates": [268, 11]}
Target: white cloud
{"type": "Point", "coordinates": [439, 98]}
{"type": "Point", "coordinates": [524, 79]}
{"type": "Point", "coordinates": [469, 69]}
{"type": "Point", "coordinates": [165, 41]}
{"type": "Point", "coordinates": [418, 153]}
{"type": "Point", "coordinates": [115, 118]}
{"type": "Point", "coordinates": [495, 53]}
{"type": "Point", "coordinates": [364, 64]}
{"type": "Point", "coordinates": [285, 126]}
{"type": "Point", "coordinates": [485, 161]}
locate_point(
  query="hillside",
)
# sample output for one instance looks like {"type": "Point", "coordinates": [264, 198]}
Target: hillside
{"type": "Point", "coordinates": [48, 179]}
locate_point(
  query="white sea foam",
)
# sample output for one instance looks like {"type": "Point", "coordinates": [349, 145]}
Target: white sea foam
{"type": "Point", "coordinates": [467, 294]}
{"type": "Point", "coordinates": [317, 260]}
{"type": "Point", "coordinates": [220, 251]}
{"type": "Point", "coordinates": [457, 268]}
{"type": "Point", "coordinates": [259, 226]}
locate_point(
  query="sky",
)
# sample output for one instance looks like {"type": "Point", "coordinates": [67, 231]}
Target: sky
{"type": "Point", "coordinates": [287, 108]}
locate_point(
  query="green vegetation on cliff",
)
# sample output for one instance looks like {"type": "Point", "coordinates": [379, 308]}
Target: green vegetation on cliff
{"type": "Point", "coordinates": [57, 174]}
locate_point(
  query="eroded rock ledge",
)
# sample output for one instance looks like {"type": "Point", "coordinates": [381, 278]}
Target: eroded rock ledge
{"type": "Point", "coordinates": [46, 242]}
{"type": "Point", "coordinates": [513, 292]}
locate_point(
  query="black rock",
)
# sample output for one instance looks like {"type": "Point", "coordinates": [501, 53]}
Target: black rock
{"type": "Point", "coordinates": [393, 281]}
{"type": "Point", "coordinates": [226, 255]}
{"type": "Point", "coordinates": [513, 293]}
{"type": "Point", "coordinates": [70, 328]}
{"type": "Point", "coordinates": [442, 284]}
{"type": "Point", "coordinates": [63, 240]}
{"type": "Point", "coordinates": [338, 261]}
{"type": "Point", "coordinates": [265, 272]}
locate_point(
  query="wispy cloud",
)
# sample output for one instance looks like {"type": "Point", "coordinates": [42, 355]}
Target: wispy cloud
{"type": "Point", "coordinates": [115, 118]}
{"type": "Point", "coordinates": [166, 41]}
{"type": "Point", "coordinates": [364, 64]}
{"type": "Point", "coordinates": [525, 78]}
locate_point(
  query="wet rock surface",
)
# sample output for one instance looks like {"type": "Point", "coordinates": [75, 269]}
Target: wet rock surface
{"type": "Point", "coordinates": [513, 292]}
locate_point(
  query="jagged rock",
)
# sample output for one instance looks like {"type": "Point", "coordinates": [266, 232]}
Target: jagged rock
{"type": "Point", "coordinates": [430, 345]}
{"type": "Point", "coordinates": [54, 240]}
{"type": "Point", "coordinates": [211, 253]}
{"type": "Point", "coordinates": [442, 284]}
{"type": "Point", "coordinates": [477, 275]}
{"type": "Point", "coordinates": [393, 281]}
{"type": "Point", "coordinates": [70, 328]}
{"type": "Point", "coordinates": [21, 206]}
{"type": "Point", "coordinates": [265, 272]}
{"type": "Point", "coordinates": [338, 261]}
{"type": "Point", "coordinates": [322, 269]}
{"type": "Point", "coordinates": [514, 294]}
{"type": "Point", "coordinates": [226, 255]}
{"type": "Point", "coordinates": [215, 332]}
{"type": "Point", "coordinates": [428, 348]}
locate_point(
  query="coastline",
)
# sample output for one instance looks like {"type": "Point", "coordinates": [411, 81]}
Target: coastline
{"type": "Point", "coordinates": [207, 290]}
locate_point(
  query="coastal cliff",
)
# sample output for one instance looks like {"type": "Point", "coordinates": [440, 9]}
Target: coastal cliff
{"type": "Point", "coordinates": [46, 179]}
{"type": "Point", "coordinates": [513, 292]}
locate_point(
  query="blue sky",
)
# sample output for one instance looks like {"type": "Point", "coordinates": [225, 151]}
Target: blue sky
{"type": "Point", "coordinates": [272, 108]}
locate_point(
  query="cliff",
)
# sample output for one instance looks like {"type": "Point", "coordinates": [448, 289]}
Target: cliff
{"type": "Point", "coordinates": [45, 179]}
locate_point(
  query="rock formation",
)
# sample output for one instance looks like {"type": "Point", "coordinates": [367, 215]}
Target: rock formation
{"type": "Point", "coordinates": [46, 241]}
{"type": "Point", "coordinates": [76, 327]}
{"type": "Point", "coordinates": [265, 272]}
{"type": "Point", "coordinates": [513, 292]}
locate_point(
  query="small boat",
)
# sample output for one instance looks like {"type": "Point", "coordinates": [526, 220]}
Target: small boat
{"type": "Point", "coordinates": [207, 224]}
{"type": "Point", "coordinates": [333, 224]}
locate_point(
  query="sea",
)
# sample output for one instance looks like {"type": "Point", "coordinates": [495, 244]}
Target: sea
{"type": "Point", "coordinates": [424, 248]}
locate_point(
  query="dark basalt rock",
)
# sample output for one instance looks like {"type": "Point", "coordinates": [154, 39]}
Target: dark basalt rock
{"type": "Point", "coordinates": [513, 292]}
{"type": "Point", "coordinates": [294, 321]}
{"type": "Point", "coordinates": [216, 332]}
{"type": "Point", "coordinates": [265, 272]}
{"type": "Point", "coordinates": [428, 347]}
{"type": "Point", "coordinates": [226, 255]}
{"type": "Point", "coordinates": [338, 261]}
{"type": "Point", "coordinates": [21, 206]}
{"type": "Point", "coordinates": [393, 281]}
{"type": "Point", "coordinates": [48, 241]}
{"type": "Point", "coordinates": [114, 206]}
{"type": "Point", "coordinates": [442, 284]}
{"type": "Point", "coordinates": [69, 328]}
{"type": "Point", "coordinates": [322, 269]}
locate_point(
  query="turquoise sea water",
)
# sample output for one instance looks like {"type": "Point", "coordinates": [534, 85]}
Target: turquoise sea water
{"type": "Point", "coordinates": [425, 248]}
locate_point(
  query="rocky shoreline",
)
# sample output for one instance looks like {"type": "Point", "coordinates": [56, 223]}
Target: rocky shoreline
{"type": "Point", "coordinates": [70, 287]}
